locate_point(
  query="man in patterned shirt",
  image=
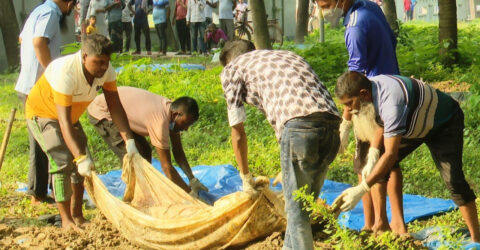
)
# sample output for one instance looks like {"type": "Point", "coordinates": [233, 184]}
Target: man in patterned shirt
{"type": "Point", "coordinates": [301, 111]}
{"type": "Point", "coordinates": [411, 113]}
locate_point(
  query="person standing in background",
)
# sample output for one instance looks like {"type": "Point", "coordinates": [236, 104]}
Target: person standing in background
{"type": "Point", "coordinates": [97, 9]}
{"type": "Point", "coordinates": [114, 17]}
{"type": "Point", "coordinates": [140, 24]}
{"type": "Point", "coordinates": [127, 17]}
{"type": "Point", "coordinates": [180, 22]}
{"type": "Point", "coordinates": [161, 13]}
{"type": "Point", "coordinates": [40, 42]}
{"type": "Point", "coordinates": [196, 22]}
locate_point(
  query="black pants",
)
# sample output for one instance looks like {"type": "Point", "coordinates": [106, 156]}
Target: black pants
{"type": "Point", "coordinates": [183, 34]}
{"type": "Point", "coordinates": [127, 29]}
{"type": "Point", "coordinates": [142, 27]}
{"type": "Point", "coordinates": [162, 36]}
{"type": "Point", "coordinates": [115, 31]}
{"type": "Point", "coordinates": [38, 176]}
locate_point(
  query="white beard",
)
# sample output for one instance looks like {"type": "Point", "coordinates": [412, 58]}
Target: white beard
{"type": "Point", "coordinates": [364, 123]}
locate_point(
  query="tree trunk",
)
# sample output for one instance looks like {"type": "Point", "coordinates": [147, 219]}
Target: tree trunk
{"type": "Point", "coordinates": [259, 18]}
{"type": "Point", "coordinates": [447, 31]}
{"type": "Point", "coordinates": [390, 11]}
{"type": "Point", "coordinates": [10, 32]}
{"type": "Point", "coordinates": [302, 21]}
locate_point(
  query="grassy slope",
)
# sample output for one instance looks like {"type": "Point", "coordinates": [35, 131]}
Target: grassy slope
{"type": "Point", "coordinates": [208, 141]}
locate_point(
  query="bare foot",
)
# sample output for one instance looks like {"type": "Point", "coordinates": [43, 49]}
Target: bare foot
{"type": "Point", "coordinates": [367, 229]}
{"type": "Point", "coordinates": [379, 228]}
{"type": "Point", "coordinates": [70, 225]}
{"type": "Point", "coordinates": [400, 229]}
{"type": "Point", "coordinates": [81, 222]}
{"type": "Point", "coordinates": [36, 201]}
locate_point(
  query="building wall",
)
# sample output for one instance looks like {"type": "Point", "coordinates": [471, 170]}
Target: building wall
{"type": "Point", "coordinates": [29, 5]}
{"type": "Point", "coordinates": [427, 10]}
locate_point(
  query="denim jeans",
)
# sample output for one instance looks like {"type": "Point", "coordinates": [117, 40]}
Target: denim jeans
{"type": "Point", "coordinates": [197, 30]}
{"type": "Point", "coordinates": [308, 145]}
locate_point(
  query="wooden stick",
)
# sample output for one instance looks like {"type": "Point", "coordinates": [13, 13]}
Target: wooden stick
{"type": "Point", "coordinates": [3, 148]}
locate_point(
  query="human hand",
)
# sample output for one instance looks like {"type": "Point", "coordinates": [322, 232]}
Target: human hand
{"type": "Point", "coordinates": [350, 197]}
{"type": "Point", "coordinates": [84, 165]}
{"type": "Point", "coordinates": [248, 185]}
{"type": "Point", "coordinates": [373, 155]}
{"type": "Point", "coordinates": [278, 179]}
{"type": "Point", "coordinates": [131, 147]}
{"type": "Point", "coordinates": [345, 128]}
{"type": "Point", "coordinates": [196, 186]}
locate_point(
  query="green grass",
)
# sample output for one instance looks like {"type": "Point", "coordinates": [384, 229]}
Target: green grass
{"type": "Point", "coordinates": [208, 141]}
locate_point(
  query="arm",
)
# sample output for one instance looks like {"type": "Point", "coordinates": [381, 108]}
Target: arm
{"type": "Point", "coordinates": [386, 161]}
{"type": "Point", "coordinates": [111, 6]}
{"type": "Point", "coordinates": [130, 7]}
{"type": "Point", "coordinates": [168, 13]}
{"type": "Point", "coordinates": [40, 46]}
{"type": "Point", "coordinates": [188, 13]}
{"type": "Point", "coordinates": [170, 172]}
{"type": "Point", "coordinates": [179, 154]}
{"type": "Point", "coordinates": [240, 147]}
{"type": "Point", "coordinates": [73, 141]}
{"type": "Point", "coordinates": [356, 43]}
{"type": "Point", "coordinates": [184, 5]}
{"type": "Point", "coordinates": [213, 5]}
{"type": "Point", "coordinates": [117, 112]}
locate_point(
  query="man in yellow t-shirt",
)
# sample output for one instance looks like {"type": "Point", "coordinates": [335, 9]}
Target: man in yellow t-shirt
{"type": "Point", "coordinates": [53, 109]}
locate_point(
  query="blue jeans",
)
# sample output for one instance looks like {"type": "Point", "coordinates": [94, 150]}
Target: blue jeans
{"type": "Point", "coordinates": [197, 30]}
{"type": "Point", "coordinates": [308, 145]}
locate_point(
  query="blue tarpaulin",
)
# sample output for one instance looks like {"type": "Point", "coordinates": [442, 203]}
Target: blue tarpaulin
{"type": "Point", "coordinates": [222, 180]}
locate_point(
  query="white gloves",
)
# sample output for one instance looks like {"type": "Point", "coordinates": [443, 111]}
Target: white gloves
{"type": "Point", "coordinates": [84, 165]}
{"type": "Point", "coordinates": [350, 197]}
{"type": "Point", "coordinates": [372, 158]}
{"type": "Point", "coordinates": [345, 128]}
{"type": "Point", "coordinates": [196, 186]}
{"type": "Point", "coordinates": [131, 147]}
{"type": "Point", "coordinates": [249, 184]}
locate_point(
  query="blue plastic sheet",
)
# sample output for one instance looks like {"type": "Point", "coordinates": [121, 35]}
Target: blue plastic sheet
{"type": "Point", "coordinates": [168, 67]}
{"type": "Point", "coordinates": [434, 237]}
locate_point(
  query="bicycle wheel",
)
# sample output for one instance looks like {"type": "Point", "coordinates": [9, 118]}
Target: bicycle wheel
{"type": "Point", "coordinates": [276, 34]}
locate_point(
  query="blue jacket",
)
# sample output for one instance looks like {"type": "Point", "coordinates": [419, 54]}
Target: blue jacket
{"type": "Point", "coordinates": [370, 42]}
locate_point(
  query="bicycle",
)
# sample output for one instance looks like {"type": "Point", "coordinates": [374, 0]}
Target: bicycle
{"type": "Point", "coordinates": [243, 30]}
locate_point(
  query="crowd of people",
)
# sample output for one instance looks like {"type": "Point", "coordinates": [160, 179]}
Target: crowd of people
{"type": "Point", "coordinates": [391, 115]}
{"type": "Point", "coordinates": [192, 20]}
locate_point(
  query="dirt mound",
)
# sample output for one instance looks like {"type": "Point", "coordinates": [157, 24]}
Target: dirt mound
{"type": "Point", "coordinates": [99, 234]}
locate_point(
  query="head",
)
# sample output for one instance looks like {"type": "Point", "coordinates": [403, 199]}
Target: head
{"type": "Point", "coordinates": [211, 27]}
{"type": "Point", "coordinates": [354, 90]}
{"type": "Point", "coordinates": [96, 51]}
{"type": "Point", "coordinates": [233, 49]}
{"type": "Point", "coordinates": [92, 20]}
{"type": "Point", "coordinates": [66, 7]}
{"type": "Point", "coordinates": [184, 113]}
{"type": "Point", "coordinates": [333, 10]}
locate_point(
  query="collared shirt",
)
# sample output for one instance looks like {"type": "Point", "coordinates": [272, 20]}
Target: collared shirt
{"type": "Point", "coordinates": [44, 21]}
{"type": "Point", "coordinates": [370, 41]}
{"type": "Point", "coordinates": [225, 9]}
{"type": "Point", "coordinates": [148, 114]}
{"type": "Point", "coordinates": [160, 11]}
{"type": "Point", "coordinates": [409, 107]}
{"type": "Point", "coordinates": [64, 84]}
{"type": "Point", "coordinates": [196, 11]}
{"type": "Point", "coordinates": [279, 83]}
{"type": "Point", "coordinates": [115, 13]}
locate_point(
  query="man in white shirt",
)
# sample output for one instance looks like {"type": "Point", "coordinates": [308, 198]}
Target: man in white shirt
{"type": "Point", "coordinates": [196, 21]}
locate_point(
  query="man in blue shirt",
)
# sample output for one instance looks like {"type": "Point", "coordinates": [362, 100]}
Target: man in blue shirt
{"type": "Point", "coordinates": [411, 113]}
{"type": "Point", "coordinates": [40, 43]}
{"type": "Point", "coordinates": [140, 23]}
{"type": "Point", "coordinates": [371, 46]}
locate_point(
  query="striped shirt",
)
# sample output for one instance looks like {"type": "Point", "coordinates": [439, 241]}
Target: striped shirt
{"type": "Point", "coordinates": [409, 107]}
